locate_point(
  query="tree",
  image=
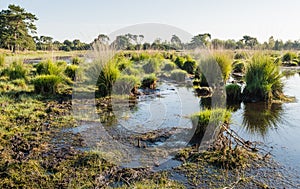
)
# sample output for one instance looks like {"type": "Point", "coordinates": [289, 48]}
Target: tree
{"type": "Point", "coordinates": [278, 45]}
{"type": "Point", "coordinates": [271, 43]}
{"type": "Point", "coordinates": [249, 41]}
{"type": "Point", "coordinates": [176, 42]}
{"type": "Point", "coordinates": [103, 39]}
{"type": "Point", "coordinates": [16, 25]}
{"type": "Point", "coordinates": [200, 40]}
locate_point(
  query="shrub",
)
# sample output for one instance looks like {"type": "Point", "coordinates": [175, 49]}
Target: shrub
{"type": "Point", "coordinates": [124, 84]}
{"type": "Point", "coordinates": [263, 80]}
{"type": "Point", "coordinates": [178, 75]}
{"type": "Point", "coordinates": [200, 121]}
{"type": "Point", "coordinates": [151, 66]}
{"type": "Point", "coordinates": [169, 66]}
{"type": "Point", "coordinates": [46, 84]}
{"type": "Point", "coordinates": [189, 66]}
{"type": "Point", "coordinates": [149, 81]}
{"type": "Point", "coordinates": [233, 93]}
{"type": "Point", "coordinates": [16, 70]}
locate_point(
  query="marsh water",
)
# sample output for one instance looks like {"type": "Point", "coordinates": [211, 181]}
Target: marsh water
{"type": "Point", "coordinates": [275, 127]}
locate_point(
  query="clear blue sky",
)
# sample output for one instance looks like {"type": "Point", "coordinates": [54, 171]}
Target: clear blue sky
{"type": "Point", "coordinates": [224, 19]}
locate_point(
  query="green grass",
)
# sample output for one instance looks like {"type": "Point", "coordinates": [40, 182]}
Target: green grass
{"type": "Point", "coordinates": [225, 64]}
{"type": "Point", "coordinates": [107, 77]}
{"type": "Point", "coordinates": [49, 67]}
{"type": "Point", "coordinates": [17, 70]}
{"type": "Point", "coordinates": [263, 80]}
{"type": "Point", "coordinates": [200, 121]}
{"type": "Point", "coordinates": [46, 84]}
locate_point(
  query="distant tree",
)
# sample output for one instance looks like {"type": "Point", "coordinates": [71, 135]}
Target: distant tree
{"type": "Point", "coordinates": [278, 45]}
{"type": "Point", "coordinates": [271, 43]}
{"type": "Point", "coordinates": [102, 38]}
{"type": "Point", "coordinates": [230, 44]}
{"type": "Point", "coordinates": [176, 42]}
{"type": "Point", "coordinates": [200, 40]}
{"type": "Point", "coordinates": [57, 45]}
{"type": "Point", "coordinates": [249, 41]}
{"type": "Point", "coordinates": [146, 46]}
{"type": "Point", "coordinates": [217, 44]}
{"type": "Point", "coordinates": [16, 27]}
{"type": "Point", "coordinates": [121, 42]}
{"type": "Point", "coordinates": [288, 45]}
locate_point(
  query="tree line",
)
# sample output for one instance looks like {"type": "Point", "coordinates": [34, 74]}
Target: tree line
{"type": "Point", "coordinates": [17, 32]}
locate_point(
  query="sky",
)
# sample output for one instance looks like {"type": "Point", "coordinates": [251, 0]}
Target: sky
{"type": "Point", "coordinates": [223, 19]}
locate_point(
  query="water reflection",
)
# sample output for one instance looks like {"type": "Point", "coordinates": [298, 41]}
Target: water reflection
{"type": "Point", "coordinates": [258, 118]}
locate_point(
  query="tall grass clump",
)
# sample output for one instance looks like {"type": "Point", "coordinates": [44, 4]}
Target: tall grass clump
{"type": "Point", "coordinates": [49, 67]}
{"type": "Point", "coordinates": [201, 120]}
{"type": "Point", "coordinates": [189, 66]}
{"type": "Point", "coordinates": [233, 93]}
{"type": "Point", "coordinates": [151, 66]}
{"type": "Point", "coordinates": [76, 60]}
{"type": "Point", "coordinates": [125, 84]}
{"type": "Point", "coordinates": [2, 59]}
{"type": "Point", "coordinates": [108, 75]}
{"type": "Point", "coordinates": [149, 81]}
{"type": "Point", "coordinates": [178, 75]}
{"type": "Point", "coordinates": [17, 70]}
{"type": "Point", "coordinates": [71, 71]}
{"type": "Point", "coordinates": [46, 84]}
{"type": "Point", "coordinates": [179, 61]}
{"type": "Point", "coordinates": [123, 63]}
{"type": "Point", "coordinates": [263, 80]}
{"type": "Point", "coordinates": [238, 66]}
{"type": "Point", "coordinates": [225, 64]}
{"type": "Point", "coordinates": [169, 65]}
{"type": "Point", "coordinates": [241, 55]}
{"type": "Point", "coordinates": [209, 72]}
{"type": "Point", "coordinates": [290, 59]}
{"type": "Point", "coordinates": [140, 56]}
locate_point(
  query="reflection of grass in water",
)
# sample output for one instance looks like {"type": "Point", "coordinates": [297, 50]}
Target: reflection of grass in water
{"type": "Point", "coordinates": [259, 117]}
